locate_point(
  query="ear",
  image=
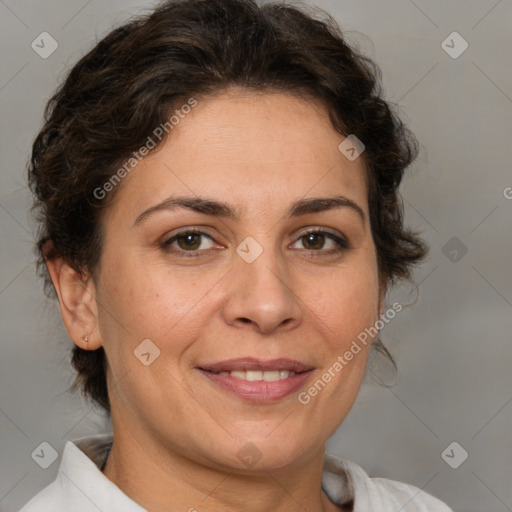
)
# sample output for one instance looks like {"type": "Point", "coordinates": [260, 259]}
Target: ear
{"type": "Point", "coordinates": [78, 306]}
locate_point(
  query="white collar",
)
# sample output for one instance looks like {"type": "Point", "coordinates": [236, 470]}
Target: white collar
{"type": "Point", "coordinates": [80, 485]}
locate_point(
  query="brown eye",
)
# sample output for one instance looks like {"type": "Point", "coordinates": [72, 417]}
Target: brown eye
{"type": "Point", "coordinates": [314, 241]}
{"type": "Point", "coordinates": [322, 242]}
{"type": "Point", "coordinates": [189, 241]}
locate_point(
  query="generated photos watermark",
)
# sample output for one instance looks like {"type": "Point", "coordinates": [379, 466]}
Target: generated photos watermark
{"type": "Point", "coordinates": [151, 142]}
{"type": "Point", "coordinates": [342, 360]}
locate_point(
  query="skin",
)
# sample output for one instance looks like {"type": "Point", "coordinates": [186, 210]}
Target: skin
{"type": "Point", "coordinates": [176, 434]}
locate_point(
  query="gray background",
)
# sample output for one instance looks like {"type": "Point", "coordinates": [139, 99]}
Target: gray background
{"type": "Point", "coordinates": [452, 346]}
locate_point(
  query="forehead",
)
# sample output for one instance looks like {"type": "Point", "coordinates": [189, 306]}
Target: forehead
{"type": "Point", "coordinates": [248, 148]}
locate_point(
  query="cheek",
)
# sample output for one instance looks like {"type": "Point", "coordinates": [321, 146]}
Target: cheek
{"type": "Point", "coordinates": [348, 304]}
{"type": "Point", "coordinates": [149, 301]}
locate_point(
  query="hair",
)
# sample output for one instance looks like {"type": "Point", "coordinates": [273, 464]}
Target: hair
{"type": "Point", "coordinates": [128, 84]}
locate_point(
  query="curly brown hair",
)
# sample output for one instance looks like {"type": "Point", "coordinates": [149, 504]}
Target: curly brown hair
{"type": "Point", "coordinates": [127, 85]}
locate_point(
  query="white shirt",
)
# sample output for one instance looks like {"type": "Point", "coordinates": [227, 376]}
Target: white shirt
{"type": "Point", "coordinates": [80, 486]}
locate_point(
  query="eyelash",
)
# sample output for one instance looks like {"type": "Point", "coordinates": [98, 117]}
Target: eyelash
{"type": "Point", "coordinates": [341, 244]}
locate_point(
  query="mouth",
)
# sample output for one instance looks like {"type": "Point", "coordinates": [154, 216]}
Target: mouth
{"type": "Point", "coordinates": [256, 380]}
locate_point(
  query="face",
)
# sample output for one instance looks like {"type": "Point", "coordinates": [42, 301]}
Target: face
{"type": "Point", "coordinates": [248, 299]}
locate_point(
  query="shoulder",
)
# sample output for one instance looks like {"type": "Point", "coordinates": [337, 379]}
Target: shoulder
{"type": "Point", "coordinates": [410, 497]}
{"type": "Point", "coordinates": [44, 500]}
{"type": "Point", "coordinates": [80, 485]}
{"type": "Point", "coordinates": [59, 495]}
{"type": "Point", "coordinates": [345, 481]}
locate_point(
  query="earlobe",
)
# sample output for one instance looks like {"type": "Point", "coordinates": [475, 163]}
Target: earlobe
{"type": "Point", "coordinates": [77, 299]}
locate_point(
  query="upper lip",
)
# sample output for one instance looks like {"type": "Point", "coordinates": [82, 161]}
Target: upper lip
{"type": "Point", "coordinates": [251, 363]}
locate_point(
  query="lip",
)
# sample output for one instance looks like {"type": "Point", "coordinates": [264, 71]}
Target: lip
{"type": "Point", "coordinates": [258, 391]}
{"type": "Point", "coordinates": [252, 363]}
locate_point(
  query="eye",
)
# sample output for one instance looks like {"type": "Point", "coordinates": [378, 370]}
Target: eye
{"type": "Point", "coordinates": [317, 240]}
{"type": "Point", "coordinates": [191, 241]}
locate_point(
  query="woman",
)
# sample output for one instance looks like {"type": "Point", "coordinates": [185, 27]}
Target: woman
{"type": "Point", "coordinates": [220, 220]}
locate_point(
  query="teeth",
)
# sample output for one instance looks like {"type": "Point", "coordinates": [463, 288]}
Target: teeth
{"type": "Point", "coordinates": [272, 376]}
{"type": "Point", "coordinates": [253, 376]}
{"type": "Point", "coordinates": [257, 375]}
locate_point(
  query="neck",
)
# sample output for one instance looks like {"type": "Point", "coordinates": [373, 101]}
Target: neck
{"type": "Point", "coordinates": [162, 481]}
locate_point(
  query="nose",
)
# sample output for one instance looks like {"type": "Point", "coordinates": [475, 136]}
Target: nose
{"type": "Point", "coordinates": [261, 296]}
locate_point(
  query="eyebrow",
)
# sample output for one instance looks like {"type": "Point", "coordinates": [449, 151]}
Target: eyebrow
{"type": "Point", "coordinates": [223, 210]}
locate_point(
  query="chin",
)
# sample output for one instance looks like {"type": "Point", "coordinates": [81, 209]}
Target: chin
{"type": "Point", "coordinates": [269, 452]}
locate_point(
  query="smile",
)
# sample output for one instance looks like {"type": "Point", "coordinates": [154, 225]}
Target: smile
{"type": "Point", "coordinates": [256, 380]}
{"type": "Point", "coordinates": [255, 375]}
